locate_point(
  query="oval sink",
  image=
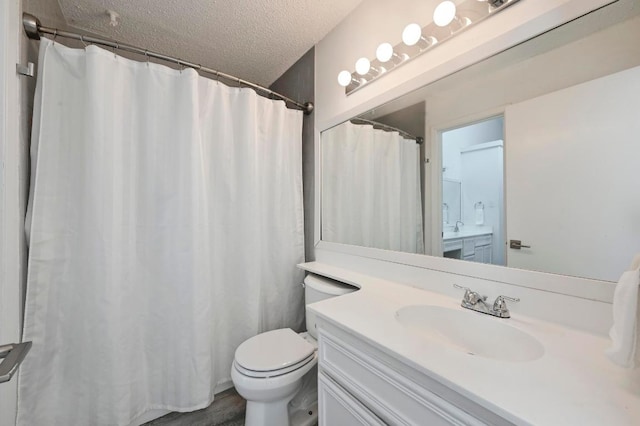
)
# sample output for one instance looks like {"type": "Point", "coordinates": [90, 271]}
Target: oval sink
{"type": "Point", "coordinates": [470, 332]}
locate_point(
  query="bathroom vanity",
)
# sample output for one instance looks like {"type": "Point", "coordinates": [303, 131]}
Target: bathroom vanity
{"type": "Point", "coordinates": [472, 244]}
{"type": "Point", "coordinates": [393, 354]}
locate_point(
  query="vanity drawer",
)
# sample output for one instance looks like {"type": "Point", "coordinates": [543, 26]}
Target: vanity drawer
{"type": "Point", "coordinates": [451, 245]}
{"type": "Point", "coordinates": [337, 407]}
{"type": "Point", "coordinates": [484, 240]}
{"type": "Point", "coordinates": [390, 396]}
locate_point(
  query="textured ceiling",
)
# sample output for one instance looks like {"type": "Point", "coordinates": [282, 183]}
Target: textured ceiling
{"type": "Point", "coordinates": [257, 40]}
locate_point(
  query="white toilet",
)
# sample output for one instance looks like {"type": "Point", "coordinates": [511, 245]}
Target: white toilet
{"type": "Point", "coordinates": [268, 369]}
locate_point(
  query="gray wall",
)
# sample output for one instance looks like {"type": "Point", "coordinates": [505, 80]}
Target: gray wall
{"type": "Point", "coordinates": [298, 83]}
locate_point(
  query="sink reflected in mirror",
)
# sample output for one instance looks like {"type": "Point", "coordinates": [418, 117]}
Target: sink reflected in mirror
{"type": "Point", "coordinates": [470, 332]}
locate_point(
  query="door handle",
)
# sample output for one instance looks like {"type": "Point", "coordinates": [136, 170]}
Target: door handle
{"type": "Point", "coordinates": [12, 355]}
{"type": "Point", "coordinates": [517, 245]}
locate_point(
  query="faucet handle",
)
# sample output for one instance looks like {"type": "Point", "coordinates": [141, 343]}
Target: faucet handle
{"type": "Point", "coordinates": [470, 297]}
{"type": "Point", "coordinates": [499, 305]}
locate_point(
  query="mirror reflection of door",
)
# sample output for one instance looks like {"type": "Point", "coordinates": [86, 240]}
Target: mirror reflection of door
{"type": "Point", "coordinates": [473, 192]}
{"type": "Point", "coordinates": [573, 177]}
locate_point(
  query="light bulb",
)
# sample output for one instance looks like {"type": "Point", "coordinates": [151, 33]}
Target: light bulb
{"type": "Point", "coordinates": [363, 66]}
{"type": "Point", "coordinates": [384, 52]}
{"type": "Point", "coordinates": [444, 13]}
{"type": "Point", "coordinates": [411, 34]}
{"type": "Point", "coordinates": [344, 78]}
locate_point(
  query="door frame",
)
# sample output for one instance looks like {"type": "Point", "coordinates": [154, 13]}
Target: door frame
{"type": "Point", "coordinates": [11, 222]}
{"type": "Point", "coordinates": [436, 131]}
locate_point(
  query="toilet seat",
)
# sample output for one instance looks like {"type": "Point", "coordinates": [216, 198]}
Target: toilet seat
{"type": "Point", "coordinates": [273, 353]}
{"type": "Point", "coordinates": [274, 373]}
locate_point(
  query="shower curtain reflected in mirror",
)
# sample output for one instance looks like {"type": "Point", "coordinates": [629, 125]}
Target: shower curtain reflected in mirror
{"type": "Point", "coordinates": [371, 192]}
{"type": "Point", "coordinates": [165, 225]}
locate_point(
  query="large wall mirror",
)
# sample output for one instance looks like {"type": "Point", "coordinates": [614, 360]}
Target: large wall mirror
{"type": "Point", "coordinates": [528, 159]}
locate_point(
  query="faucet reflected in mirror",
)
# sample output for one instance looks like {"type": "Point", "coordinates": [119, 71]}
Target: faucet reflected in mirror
{"type": "Point", "coordinates": [550, 165]}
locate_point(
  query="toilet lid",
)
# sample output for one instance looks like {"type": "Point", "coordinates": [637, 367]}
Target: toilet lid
{"type": "Point", "coordinates": [273, 350]}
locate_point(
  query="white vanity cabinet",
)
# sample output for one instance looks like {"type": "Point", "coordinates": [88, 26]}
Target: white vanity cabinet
{"type": "Point", "coordinates": [475, 249]}
{"type": "Point", "coordinates": [360, 384]}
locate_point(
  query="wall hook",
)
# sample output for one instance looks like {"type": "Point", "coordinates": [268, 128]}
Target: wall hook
{"type": "Point", "coordinates": [26, 70]}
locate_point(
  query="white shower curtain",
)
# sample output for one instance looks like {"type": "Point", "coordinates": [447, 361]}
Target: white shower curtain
{"type": "Point", "coordinates": [371, 193]}
{"type": "Point", "coordinates": [165, 228]}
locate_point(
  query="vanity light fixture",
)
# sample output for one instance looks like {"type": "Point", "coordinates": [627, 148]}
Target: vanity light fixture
{"type": "Point", "coordinates": [384, 52]}
{"type": "Point", "coordinates": [449, 18]}
{"type": "Point", "coordinates": [444, 13]}
{"type": "Point", "coordinates": [411, 34]}
{"type": "Point", "coordinates": [363, 65]}
{"type": "Point", "coordinates": [345, 78]}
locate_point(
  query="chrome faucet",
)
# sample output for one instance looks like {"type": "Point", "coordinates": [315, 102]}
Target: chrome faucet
{"type": "Point", "coordinates": [456, 229]}
{"type": "Point", "coordinates": [476, 302]}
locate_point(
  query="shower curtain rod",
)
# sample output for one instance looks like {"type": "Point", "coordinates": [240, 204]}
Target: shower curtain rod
{"type": "Point", "coordinates": [34, 29]}
{"type": "Point", "coordinates": [404, 134]}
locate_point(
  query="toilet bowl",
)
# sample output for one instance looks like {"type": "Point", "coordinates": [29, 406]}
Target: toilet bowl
{"type": "Point", "coordinates": [268, 369]}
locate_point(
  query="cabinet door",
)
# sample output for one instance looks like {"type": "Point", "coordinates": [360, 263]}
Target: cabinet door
{"type": "Point", "coordinates": [468, 247]}
{"type": "Point", "coordinates": [486, 254]}
{"type": "Point", "coordinates": [338, 407]}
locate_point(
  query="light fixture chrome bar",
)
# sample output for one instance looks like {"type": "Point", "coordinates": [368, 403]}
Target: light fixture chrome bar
{"type": "Point", "coordinates": [388, 128]}
{"type": "Point", "coordinates": [473, 12]}
{"type": "Point", "coordinates": [34, 29]}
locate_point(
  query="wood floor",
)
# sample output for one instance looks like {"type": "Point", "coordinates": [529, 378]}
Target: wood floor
{"type": "Point", "coordinates": [226, 410]}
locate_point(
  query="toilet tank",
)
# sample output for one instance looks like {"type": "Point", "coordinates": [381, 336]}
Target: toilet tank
{"type": "Point", "coordinates": [318, 288]}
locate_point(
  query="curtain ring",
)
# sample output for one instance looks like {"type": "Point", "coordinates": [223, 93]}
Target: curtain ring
{"type": "Point", "coordinates": [82, 40]}
{"type": "Point", "coordinates": [146, 54]}
{"type": "Point", "coordinates": [117, 46]}
{"type": "Point", "coordinates": [180, 65]}
{"type": "Point", "coordinates": [55, 34]}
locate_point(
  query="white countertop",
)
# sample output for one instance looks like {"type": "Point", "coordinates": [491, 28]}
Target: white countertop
{"type": "Point", "coordinates": [466, 232]}
{"type": "Point", "coordinates": [573, 383]}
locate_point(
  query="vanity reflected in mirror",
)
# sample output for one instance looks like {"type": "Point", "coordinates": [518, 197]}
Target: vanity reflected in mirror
{"type": "Point", "coordinates": [529, 158]}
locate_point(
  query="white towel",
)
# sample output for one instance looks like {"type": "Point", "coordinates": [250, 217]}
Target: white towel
{"type": "Point", "coordinates": [624, 333]}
